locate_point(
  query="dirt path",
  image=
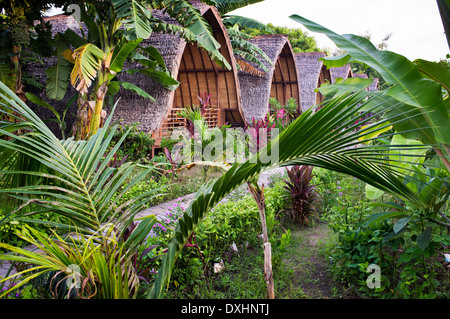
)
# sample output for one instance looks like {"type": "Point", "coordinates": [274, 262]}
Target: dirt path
{"type": "Point", "coordinates": [306, 256]}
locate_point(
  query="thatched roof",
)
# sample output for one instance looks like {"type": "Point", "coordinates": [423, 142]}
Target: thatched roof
{"type": "Point", "coordinates": [195, 71]}
{"type": "Point", "coordinates": [186, 62]}
{"type": "Point", "coordinates": [312, 74]}
{"type": "Point", "coordinates": [281, 81]}
{"type": "Point", "coordinates": [61, 22]}
{"type": "Point", "coordinates": [343, 72]}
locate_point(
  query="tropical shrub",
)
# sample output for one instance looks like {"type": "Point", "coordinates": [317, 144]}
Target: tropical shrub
{"type": "Point", "coordinates": [80, 188]}
{"type": "Point", "coordinates": [137, 146]}
{"type": "Point", "coordinates": [304, 199]}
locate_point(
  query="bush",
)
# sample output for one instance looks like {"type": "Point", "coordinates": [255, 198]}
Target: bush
{"type": "Point", "coordinates": [407, 271]}
{"type": "Point", "coordinates": [304, 197]}
{"type": "Point", "coordinates": [137, 146]}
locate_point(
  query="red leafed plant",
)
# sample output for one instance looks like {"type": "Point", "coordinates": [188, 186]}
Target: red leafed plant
{"type": "Point", "coordinates": [259, 129]}
{"type": "Point", "coordinates": [304, 196]}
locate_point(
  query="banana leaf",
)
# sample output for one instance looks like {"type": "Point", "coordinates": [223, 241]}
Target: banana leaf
{"type": "Point", "coordinates": [419, 94]}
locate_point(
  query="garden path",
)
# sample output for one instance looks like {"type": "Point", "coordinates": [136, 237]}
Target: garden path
{"type": "Point", "coordinates": [157, 210]}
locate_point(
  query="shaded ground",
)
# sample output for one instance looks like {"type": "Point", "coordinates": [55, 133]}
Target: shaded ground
{"type": "Point", "coordinates": [306, 257]}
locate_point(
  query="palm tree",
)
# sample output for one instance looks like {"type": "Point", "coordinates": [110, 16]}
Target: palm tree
{"type": "Point", "coordinates": [333, 137]}
{"type": "Point", "coordinates": [75, 182]}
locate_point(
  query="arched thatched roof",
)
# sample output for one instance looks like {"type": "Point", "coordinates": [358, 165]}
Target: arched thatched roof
{"type": "Point", "coordinates": [197, 74]}
{"type": "Point", "coordinates": [343, 72]}
{"type": "Point", "coordinates": [281, 82]}
{"type": "Point", "coordinates": [312, 74]}
{"type": "Point", "coordinates": [188, 63]}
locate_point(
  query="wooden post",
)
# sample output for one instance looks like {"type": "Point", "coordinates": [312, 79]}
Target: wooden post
{"type": "Point", "coordinates": [258, 195]}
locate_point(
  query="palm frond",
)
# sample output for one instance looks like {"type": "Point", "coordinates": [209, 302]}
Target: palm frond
{"type": "Point", "coordinates": [76, 180]}
{"type": "Point", "coordinates": [328, 138]}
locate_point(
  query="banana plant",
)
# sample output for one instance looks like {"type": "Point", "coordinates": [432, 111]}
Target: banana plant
{"type": "Point", "coordinates": [74, 182]}
{"type": "Point", "coordinates": [328, 138]}
{"type": "Point", "coordinates": [420, 89]}
{"type": "Point", "coordinates": [420, 96]}
{"type": "Point", "coordinates": [115, 30]}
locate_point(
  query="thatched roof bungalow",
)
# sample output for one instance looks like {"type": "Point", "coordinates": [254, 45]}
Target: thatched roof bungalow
{"type": "Point", "coordinates": [312, 74]}
{"type": "Point", "coordinates": [197, 74]}
{"type": "Point", "coordinates": [281, 82]}
{"type": "Point", "coordinates": [343, 72]}
{"type": "Point", "coordinates": [187, 63]}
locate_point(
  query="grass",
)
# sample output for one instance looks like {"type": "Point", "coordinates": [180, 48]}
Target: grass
{"type": "Point", "coordinates": [301, 273]}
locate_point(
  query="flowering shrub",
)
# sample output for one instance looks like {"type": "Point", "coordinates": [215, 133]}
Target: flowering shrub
{"type": "Point", "coordinates": [168, 221]}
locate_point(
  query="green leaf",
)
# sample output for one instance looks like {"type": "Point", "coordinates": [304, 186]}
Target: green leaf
{"type": "Point", "coordinates": [136, 18]}
{"type": "Point", "coordinates": [401, 224]}
{"type": "Point", "coordinates": [58, 75]}
{"type": "Point", "coordinates": [154, 55]}
{"type": "Point", "coordinates": [424, 239]}
{"type": "Point", "coordinates": [384, 215]}
{"type": "Point", "coordinates": [435, 71]}
{"type": "Point", "coordinates": [336, 61]}
{"type": "Point", "coordinates": [33, 98]}
{"type": "Point", "coordinates": [136, 89]}
{"type": "Point", "coordinates": [246, 23]}
{"type": "Point", "coordinates": [350, 84]}
{"type": "Point", "coordinates": [408, 84]}
{"type": "Point", "coordinates": [160, 77]}
{"type": "Point", "coordinates": [373, 192]}
{"type": "Point", "coordinates": [121, 53]}
{"type": "Point", "coordinates": [74, 39]}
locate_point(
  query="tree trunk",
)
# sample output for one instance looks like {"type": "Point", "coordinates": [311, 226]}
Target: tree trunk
{"type": "Point", "coordinates": [258, 195]}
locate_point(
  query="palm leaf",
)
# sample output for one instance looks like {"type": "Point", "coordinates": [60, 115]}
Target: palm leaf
{"type": "Point", "coordinates": [409, 85]}
{"type": "Point", "coordinates": [327, 138]}
{"type": "Point", "coordinates": [77, 182]}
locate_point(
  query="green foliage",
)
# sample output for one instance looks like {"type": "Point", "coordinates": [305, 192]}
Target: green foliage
{"type": "Point", "coordinates": [77, 185]}
{"type": "Point", "coordinates": [137, 145]}
{"type": "Point", "coordinates": [407, 270]}
{"type": "Point", "coordinates": [304, 196]}
{"type": "Point", "coordinates": [235, 220]}
{"type": "Point", "coordinates": [300, 40]}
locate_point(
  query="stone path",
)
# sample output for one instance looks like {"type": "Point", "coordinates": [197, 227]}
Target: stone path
{"type": "Point", "coordinates": [157, 210]}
